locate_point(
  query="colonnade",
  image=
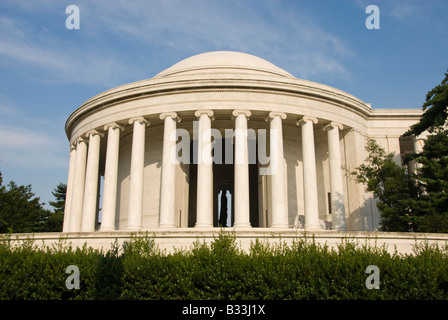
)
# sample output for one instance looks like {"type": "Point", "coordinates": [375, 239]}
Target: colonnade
{"type": "Point", "coordinates": [83, 180]}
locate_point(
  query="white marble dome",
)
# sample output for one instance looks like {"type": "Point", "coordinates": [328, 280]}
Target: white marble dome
{"type": "Point", "coordinates": [222, 62]}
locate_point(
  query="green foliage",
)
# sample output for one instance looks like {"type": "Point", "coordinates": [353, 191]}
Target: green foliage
{"type": "Point", "coordinates": [392, 187]}
{"type": "Point", "coordinates": [431, 205]}
{"type": "Point", "coordinates": [420, 202]}
{"type": "Point", "coordinates": [416, 202]}
{"type": "Point", "coordinates": [29, 272]}
{"type": "Point", "coordinates": [436, 112]}
{"type": "Point", "coordinates": [55, 221]}
{"type": "Point", "coordinates": [301, 270]}
{"type": "Point", "coordinates": [59, 193]}
{"type": "Point", "coordinates": [21, 211]}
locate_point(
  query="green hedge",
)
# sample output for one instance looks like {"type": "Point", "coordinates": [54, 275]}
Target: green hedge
{"type": "Point", "coordinates": [302, 270]}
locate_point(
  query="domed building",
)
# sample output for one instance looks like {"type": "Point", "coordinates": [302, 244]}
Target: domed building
{"type": "Point", "coordinates": [225, 139]}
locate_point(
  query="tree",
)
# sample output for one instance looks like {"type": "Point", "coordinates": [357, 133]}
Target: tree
{"type": "Point", "coordinates": [435, 115]}
{"type": "Point", "coordinates": [431, 205]}
{"type": "Point", "coordinates": [20, 210]}
{"type": "Point", "coordinates": [56, 219]}
{"type": "Point", "coordinates": [390, 185]}
{"type": "Point", "coordinates": [407, 202]}
{"type": "Point", "coordinates": [414, 202]}
{"type": "Point", "coordinates": [59, 193]}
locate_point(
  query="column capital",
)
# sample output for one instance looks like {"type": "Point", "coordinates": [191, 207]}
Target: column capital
{"type": "Point", "coordinates": [306, 119]}
{"type": "Point", "coordinates": [79, 140]}
{"type": "Point", "coordinates": [173, 115]}
{"type": "Point", "coordinates": [94, 132]}
{"type": "Point", "coordinates": [208, 112]}
{"type": "Point", "coordinates": [113, 125]}
{"type": "Point", "coordinates": [333, 124]}
{"type": "Point", "coordinates": [274, 114]}
{"type": "Point", "coordinates": [140, 119]}
{"type": "Point", "coordinates": [237, 112]}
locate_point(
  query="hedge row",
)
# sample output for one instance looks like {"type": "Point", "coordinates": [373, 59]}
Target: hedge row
{"type": "Point", "coordinates": [302, 270]}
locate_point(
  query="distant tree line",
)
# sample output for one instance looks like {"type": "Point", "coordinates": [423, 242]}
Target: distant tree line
{"type": "Point", "coordinates": [21, 211]}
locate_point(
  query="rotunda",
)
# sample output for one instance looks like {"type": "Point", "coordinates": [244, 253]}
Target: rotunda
{"type": "Point", "coordinates": [225, 139]}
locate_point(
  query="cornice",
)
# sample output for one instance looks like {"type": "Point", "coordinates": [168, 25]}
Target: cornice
{"type": "Point", "coordinates": [146, 88]}
{"type": "Point", "coordinates": [411, 114]}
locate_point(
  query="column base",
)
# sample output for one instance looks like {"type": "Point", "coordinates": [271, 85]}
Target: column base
{"type": "Point", "coordinates": [274, 226]}
{"type": "Point", "coordinates": [203, 226]}
{"type": "Point", "coordinates": [241, 226]}
{"type": "Point", "coordinates": [107, 229]}
{"type": "Point", "coordinates": [313, 228]}
{"type": "Point", "coordinates": [134, 228]}
{"type": "Point", "coordinates": [339, 229]}
{"type": "Point", "coordinates": [167, 226]}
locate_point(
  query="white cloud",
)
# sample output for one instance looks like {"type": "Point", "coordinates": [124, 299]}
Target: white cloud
{"type": "Point", "coordinates": [26, 141]}
{"type": "Point", "coordinates": [172, 29]}
{"type": "Point", "coordinates": [17, 138]}
{"type": "Point", "coordinates": [404, 11]}
{"type": "Point", "coordinates": [31, 149]}
{"type": "Point", "coordinates": [61, 60]}
{"type": "Point", "coordinates": [259, 27]}
{"type": "Point", "coordinates": [7, 107]}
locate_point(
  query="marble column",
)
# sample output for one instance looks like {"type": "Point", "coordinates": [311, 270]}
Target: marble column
{"type": "Point", "coordinates": [204, 203]}
{"type": "Point", "coordinates": [108, 211]}
{"type": "Point", "coordinates": [241, 170]}
{"type": "Point", "coordinates": [336, 177]}
{"type": "Point", "coordinates": [309, 173]}
{"type": "Point", "coordinates": [78, 185]}
{"type": "Point", "coordinates": [68, 196]}
{"type": "Point", "coordinates": [168, 183]}
{"type": "Point", "coordinates": [91, 183]}
{"type": "Point", "coordinates": [413, 165]}
{"type": "Point", "coordinates": [418, 143]}
{"type": "Point", "coordinates": [278, 187]}
{"type": "Point", "coordinates": [135, 211]}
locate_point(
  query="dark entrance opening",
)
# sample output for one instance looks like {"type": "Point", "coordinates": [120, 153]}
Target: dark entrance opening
{"type": "Point", "coordinates": [223, 177]}
{"type": "Point", "coordinates": [223, 192]}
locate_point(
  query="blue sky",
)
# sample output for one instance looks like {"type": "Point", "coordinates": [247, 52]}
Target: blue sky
{"type": "Point", "coordinates": [47, 70]}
